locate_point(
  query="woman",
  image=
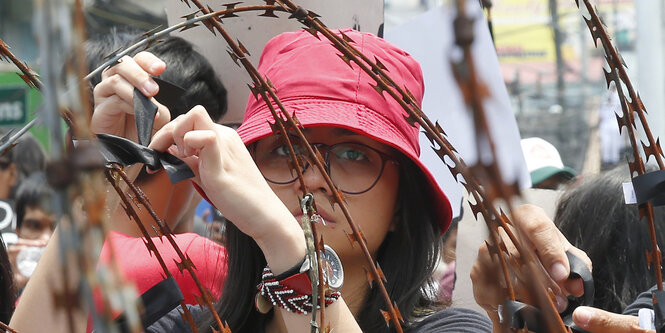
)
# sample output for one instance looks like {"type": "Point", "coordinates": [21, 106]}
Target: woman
{"type": "Point", "coordinates": [371, 153]}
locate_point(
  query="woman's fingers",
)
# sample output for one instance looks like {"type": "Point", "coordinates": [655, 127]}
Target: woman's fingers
{"type": "Point", "coordinates": [174, 132]}
{"type": "Point", "coordinates": [599, 321]}
{"type": "Point", "coordinates": [137, 71]}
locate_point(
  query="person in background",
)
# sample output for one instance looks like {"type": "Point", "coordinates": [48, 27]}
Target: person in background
{"type": "Point", "coordinates": [183, 66]}
{"type": "Point", "coordinates": [29, 156]}
{"type": "Point", "coordinates": [35, 223]}
{"type": "Point", "coordinates": [611, 140]}
{"type": "Point", "coordinates": [544, 164]}
{"type": "Point", "coordinates": [9, 174]}
{"type": "Point", "coordinates": [595, 218]}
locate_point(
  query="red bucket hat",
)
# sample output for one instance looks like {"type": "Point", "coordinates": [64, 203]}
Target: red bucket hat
{"type": "Point", "coordinates": [323, 90]}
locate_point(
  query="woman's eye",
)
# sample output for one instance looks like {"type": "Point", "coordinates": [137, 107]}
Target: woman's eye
{"type": "Point", "coordinates": [352, 155]}
{"type": "Point", "coordinates": [283, 150]}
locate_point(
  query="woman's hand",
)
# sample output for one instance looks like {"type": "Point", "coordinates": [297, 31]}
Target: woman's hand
{"type": "Point", "coordinates": [599, 321]}
{"type": "Point", "coordinates": [545, 240]}
{"type": "Point", "coordinates": [227, 173]}
{"type": "Point", "coordinates": [114, 96]}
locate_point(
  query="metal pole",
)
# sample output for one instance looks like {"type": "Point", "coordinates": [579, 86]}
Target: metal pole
{"type": "Point", "coordinates": [557, 49]}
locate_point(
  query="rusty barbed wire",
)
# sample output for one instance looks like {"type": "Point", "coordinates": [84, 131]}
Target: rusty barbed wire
{"type": "Point", "coordinates": [265, 88]}
{"type": "Point", "coordinates": [6, 328]}
{"type": "Point", "coordinates": [474, 92]}
{"type": "Point", "coordinates": [31, 78]}
{"type": "Point", "coordinates": [434, 133]}
{"type": "Point", "coordinates": [112, 174]}
{"type": "Point", "coordinates": [631, 104]}
{"type": "Point", "coordinates": [185, 263]}
{"type": "Point", "coordinates": [84, 182]}
{"type": "Point", "coordinates": [483, 201]}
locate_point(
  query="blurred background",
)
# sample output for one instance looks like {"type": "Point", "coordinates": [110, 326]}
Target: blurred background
{"type": "Point", "coordinates": [549, 63]}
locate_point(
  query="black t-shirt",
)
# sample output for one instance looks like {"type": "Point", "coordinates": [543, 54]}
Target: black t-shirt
{"type": "Point", "coordinates": [455, 320]}
{"type": "Point", "coordinates": [643, 301]}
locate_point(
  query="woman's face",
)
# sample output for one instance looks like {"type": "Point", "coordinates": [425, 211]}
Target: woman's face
{"type": "Point", "coordinates": [373, 210]}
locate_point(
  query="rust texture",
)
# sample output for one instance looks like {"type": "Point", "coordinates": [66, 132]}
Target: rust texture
{"type": "Point", "coordinates": [631, 105]}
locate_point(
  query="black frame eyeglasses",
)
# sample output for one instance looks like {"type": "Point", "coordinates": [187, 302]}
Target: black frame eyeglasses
{"type": "Point", "coordinates": [354, 168]}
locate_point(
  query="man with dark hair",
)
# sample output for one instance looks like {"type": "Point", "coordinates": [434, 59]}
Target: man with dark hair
{"type": "Point", "coordinates": [173, 203]}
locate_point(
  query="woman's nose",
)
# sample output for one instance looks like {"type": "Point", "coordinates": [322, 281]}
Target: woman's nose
{"type": "Point", "coordinates": [313, 179]}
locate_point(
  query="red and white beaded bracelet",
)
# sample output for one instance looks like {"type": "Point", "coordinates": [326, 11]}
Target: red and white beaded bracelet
{"type": "Point", "coordinates": [293, 293]}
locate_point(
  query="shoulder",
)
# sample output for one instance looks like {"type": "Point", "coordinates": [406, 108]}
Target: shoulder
{"type": "Point", "coordinates": [643, 301]}
{"type": "Point", "coordinates": [190, 241]}
{"type": "Point", "coordinates": [453, 320]}
{"type": "Point", "coordinates": [173, 322]}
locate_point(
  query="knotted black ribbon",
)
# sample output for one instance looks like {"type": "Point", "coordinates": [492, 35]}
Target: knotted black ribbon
{"type": "Point", "coordinates": [650, 187]}
{"type": "Point", "coordinates": [125, 152]}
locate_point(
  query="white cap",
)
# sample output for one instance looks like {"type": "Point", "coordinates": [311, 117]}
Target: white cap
{"type": "Point", "coordinates": [543, 160]}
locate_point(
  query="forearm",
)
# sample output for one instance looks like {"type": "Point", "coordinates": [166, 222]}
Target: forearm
{"type": "Point", "coordinates": [37, 310]}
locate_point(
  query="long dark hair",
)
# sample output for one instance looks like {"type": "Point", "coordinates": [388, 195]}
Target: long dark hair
{"type": "Point", "coordinates": [407, 256]}
{"type": "Point", "coordinates": [594, 217]}
{"type": "Point", "coordinates": [7, 292]}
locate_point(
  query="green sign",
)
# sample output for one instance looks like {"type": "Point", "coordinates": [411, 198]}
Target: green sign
{"type": "Point", "coordinates": [13, 106]}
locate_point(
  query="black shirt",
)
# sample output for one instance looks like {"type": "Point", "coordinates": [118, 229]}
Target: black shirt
{"type": "Point", "coordinates": [447, 320]}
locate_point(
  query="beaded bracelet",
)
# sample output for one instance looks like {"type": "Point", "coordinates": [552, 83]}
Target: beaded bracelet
{"type": "Point", "coordinates": [293, 293]}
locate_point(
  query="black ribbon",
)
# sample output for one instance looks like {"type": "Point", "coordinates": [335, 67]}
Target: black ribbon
{"type": "Point", "coordinates": [658, 297]}
{"type": "Point", "coordinates": [125, 152]}
{"type": "Point", "coordinates": [519, 315]}
{"type": "Point", "coordinates": [578, 269]}
{"type": "Point", "coordinates": [650, 187]}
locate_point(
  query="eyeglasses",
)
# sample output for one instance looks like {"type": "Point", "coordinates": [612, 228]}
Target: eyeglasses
{"type": "Point", "coordinates": [353, 167]}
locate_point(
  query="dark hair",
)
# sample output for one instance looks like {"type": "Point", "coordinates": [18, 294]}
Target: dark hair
{"type": "Point", "coordinates": [29, 156]}
{"type": "Point", "coordinates": [407, 257]}
{"type": "Point", "coordinates": [185, 67]}
{"type": "Point", "coordinates": [594, 217]}
{"type": "Point", "coordinates": [33, 191]}
{"type": "Point", "coordinates": [7, 292]}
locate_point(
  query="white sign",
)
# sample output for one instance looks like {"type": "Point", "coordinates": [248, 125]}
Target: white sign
{"type": "Point", "coordinates": [429, 39]}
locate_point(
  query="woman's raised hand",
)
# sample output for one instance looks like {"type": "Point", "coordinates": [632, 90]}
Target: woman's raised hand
{"type": "Point", "coordinates": [114, 96]}
{"type": "Point", "coordinates": [227, 173]}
